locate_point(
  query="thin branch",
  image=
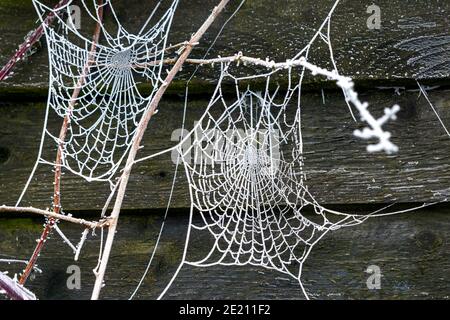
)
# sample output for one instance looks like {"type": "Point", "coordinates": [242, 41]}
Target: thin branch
{"type": "Point", "coordinates": [64, 237]}
{"type": "Point", "coordinates": [374, 129]}
{"type": "Point", "coordinates": [56, 216]}
{"type": "Point", "coordinates": [153, 105]}
{"type": "Point", "coordinates": [176, 46]}
{"type": "Point", "coordinates": [237, 58]}
{"type": "Point", "coordinates": [80, 244]}
{"type": "Point", "coordinates": [9, 261]}
{"type": "Point", "coordinates": [30, 41]}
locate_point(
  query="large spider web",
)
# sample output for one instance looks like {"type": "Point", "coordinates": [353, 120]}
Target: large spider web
{"type": "Point", "coordinates": [244, 164]}
{"type": "Point", "coordinates": [98, 90]}
{"type": "Point", "coordinates": [248, 191]}
{"type": "Point", "coordinates": [247, 183]}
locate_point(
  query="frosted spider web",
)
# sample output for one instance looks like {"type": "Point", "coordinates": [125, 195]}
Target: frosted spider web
{"type": "Point", "coordinates": [247, 184]}
{"type": "Point", "coordinates": [244, 164]}
{"type": "Point", "coordinates": [248, 190]}
{"type": "Point", "coordinates": [98, 89]}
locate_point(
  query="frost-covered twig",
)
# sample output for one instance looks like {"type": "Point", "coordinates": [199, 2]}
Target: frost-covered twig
{"type": "Point", "coordinates": [64, 238]}
{"type": "Point", "coordinates": [60, 150]}
{"type": "Point", "coordinates": [80, 244]}
{"type": "Point", "coordinates": [14, 290]}
{"type": "Point", "coordinates": [9, 261]}
{"type": "Point", "coordinates": [374, 129]}
{"type": "Point", "coordinates": [50, 214]}
{"type": "Point", "coordinates": [30, 40]}
{"type": "Point", "coordinates": [375, 126]}
{"type": "Point", "coordinates": [76, 249]}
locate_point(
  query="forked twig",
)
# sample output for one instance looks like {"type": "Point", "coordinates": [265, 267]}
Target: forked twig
{"type": "Point", "coordinates": [374, 128]}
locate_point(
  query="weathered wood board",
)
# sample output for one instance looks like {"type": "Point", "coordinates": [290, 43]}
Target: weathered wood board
{"type": "Point", "coordinates": [416, 267]}
{"type": "Point", "coordinates": [413, 40]}
{"type": "Point", "coordinates": [337, 166]}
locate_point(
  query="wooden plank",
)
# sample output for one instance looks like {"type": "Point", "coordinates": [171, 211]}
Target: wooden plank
{"type": "Point", "coordinates": [338, 168]}
{"type": "Point", "coordinates": [411, 250]}
{"type": "Point", "coordinates": [413, 40]}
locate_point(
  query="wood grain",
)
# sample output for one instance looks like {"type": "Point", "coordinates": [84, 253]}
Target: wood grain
{"type": "Point", "coordinates": [412, 42]}
{"type": "Point", "coordinates": [412, 251]}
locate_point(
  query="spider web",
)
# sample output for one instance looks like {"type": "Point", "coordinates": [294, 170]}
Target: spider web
{"type": "Point", "coordinates": [98, 89]}
{"type": "Point", "coordinates": [244, 164]}
{"type": "Point", "coordinates": [247, 184]}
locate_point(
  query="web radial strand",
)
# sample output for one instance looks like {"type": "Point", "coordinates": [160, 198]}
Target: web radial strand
{"type": "Point", "coordinates": [106, 111]}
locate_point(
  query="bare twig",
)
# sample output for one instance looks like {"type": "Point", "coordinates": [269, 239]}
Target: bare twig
{"type": "Point", "coordinates": [80, 244]}
{"type": "Point", "coordinates": [30, 40]}
{"type": "Point", "coordinates": [59, 156]}
{"type": "Point", "coordinates": [9, 261]}
{"type": "Point", "coordinates": [176, 46]}
{"type": "Point", "coordinates": [56, 216]}
{"type": "Point", "coordinates": [137, 141]}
